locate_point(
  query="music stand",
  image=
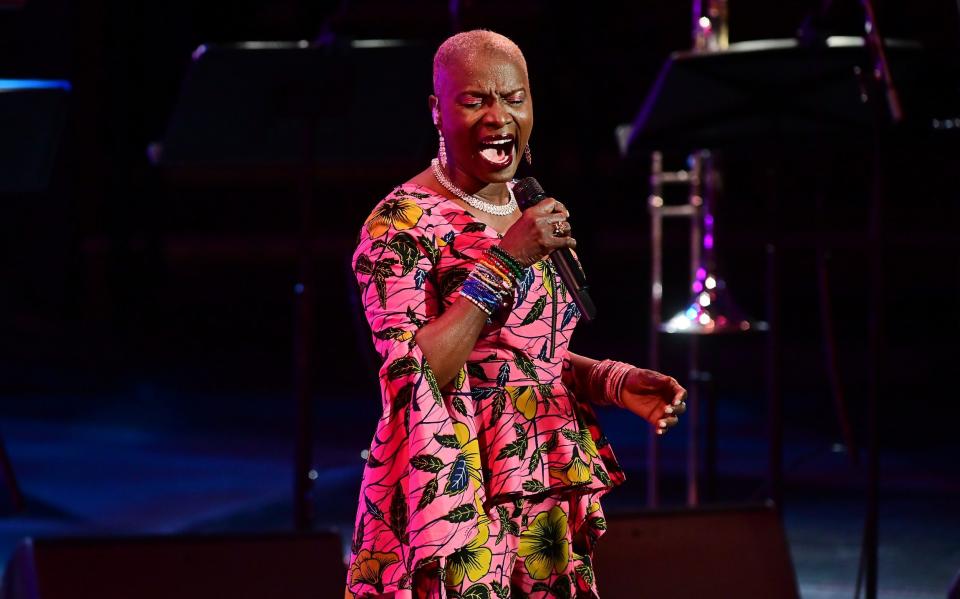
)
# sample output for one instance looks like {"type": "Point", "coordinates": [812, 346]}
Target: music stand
{"type": "Point", "coordinates": [32, 116]}
{"type": "Point", "coordinates": [301, 114]}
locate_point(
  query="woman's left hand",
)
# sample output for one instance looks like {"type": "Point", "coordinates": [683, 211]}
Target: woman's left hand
{"type": "Point", "coordinates": [655, 397]}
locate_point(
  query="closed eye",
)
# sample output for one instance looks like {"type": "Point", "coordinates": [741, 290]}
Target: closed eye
{"type": "Point", "coordinates": [516, 98]}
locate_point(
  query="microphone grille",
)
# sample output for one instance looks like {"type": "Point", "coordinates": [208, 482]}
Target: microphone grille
{"type": "Point", "coordinates": [528, 191]}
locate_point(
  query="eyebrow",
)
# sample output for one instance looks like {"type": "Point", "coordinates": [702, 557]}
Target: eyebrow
{"type": "Point", "coordinates": [473, 92]}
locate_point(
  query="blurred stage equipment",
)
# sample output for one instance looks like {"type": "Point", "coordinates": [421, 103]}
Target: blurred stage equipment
{"type": "Point", "coordinates": [711, 309]}
{"type": "Point", "coordinates": [710, 26]}
{"type": "Point", "coordinates": [187, 567]}
{"type": "Point", "coordinates": [771, 92]}
{"type": "Point", "coordinates": [297, 115]}
{"type": "Point", "coordinates": [32, 117]}
{"type": "Point", "coordinates": [737, 551]}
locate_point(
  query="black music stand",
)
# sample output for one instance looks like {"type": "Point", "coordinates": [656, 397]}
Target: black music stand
{"type": "Point", "coordinates": [773, 92]}
{"type": "Point", "coordinates": [300, 114]}
{"type": "Point", "coordinates": [776, 91]}
{"type": "Point", "coordinates": [32, 116]}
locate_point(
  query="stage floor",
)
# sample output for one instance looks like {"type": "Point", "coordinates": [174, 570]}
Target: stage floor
{"type": "Point", "coordinates": [160, 460]}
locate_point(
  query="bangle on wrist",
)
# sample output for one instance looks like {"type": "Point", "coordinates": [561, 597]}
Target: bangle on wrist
{"type": "Point", "coordinates": [605, 382]}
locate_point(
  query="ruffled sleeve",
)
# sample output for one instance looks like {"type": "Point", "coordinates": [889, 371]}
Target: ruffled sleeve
{"type": "Point", "coordinates": [421, 490]}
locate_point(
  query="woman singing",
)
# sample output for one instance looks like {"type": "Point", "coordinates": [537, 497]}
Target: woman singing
{"type": "Point", "coordinates": [485, 474]}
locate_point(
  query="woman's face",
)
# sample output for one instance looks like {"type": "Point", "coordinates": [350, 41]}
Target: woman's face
{"type": "Point", "coordinates": [485, 114]}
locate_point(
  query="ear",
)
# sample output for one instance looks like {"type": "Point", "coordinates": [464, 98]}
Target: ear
{"type": "Point", "coordinates": [435, 110]}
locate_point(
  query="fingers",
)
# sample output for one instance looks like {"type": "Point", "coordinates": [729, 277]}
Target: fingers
{"type": "Point", "coordinates": [677, 409]}
{"type": "Point", "coordinates": [680, 396]}
{"type": "Point", "coordinates": [555, 231]}
{"type": "Point", "coordinates": [664, 424]}
{"type": "Point", "coordinates": [541, 230]}
{"type": "Point", "coordinates": [561, 228]}
{"type": "Point", "coordinates": [550, 206]}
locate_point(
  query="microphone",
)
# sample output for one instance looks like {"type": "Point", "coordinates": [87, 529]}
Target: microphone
{"type": "Point", "coordinates": [528, 192]}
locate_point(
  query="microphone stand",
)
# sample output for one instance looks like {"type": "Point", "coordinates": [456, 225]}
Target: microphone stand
{"type": "Point", "coordinates": [874, 83]}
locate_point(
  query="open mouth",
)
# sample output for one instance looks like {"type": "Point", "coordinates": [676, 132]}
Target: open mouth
{"type": "Point", "coordinates": [498, 150]}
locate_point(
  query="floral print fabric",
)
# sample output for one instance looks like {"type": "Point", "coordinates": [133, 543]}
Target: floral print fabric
{"type": "Point", "coordinates": [530, 547]}
{"type": "Point", "coordinates": [504, 429]}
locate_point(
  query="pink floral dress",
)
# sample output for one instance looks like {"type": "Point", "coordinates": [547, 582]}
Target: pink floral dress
{"type": "Point", "coordinates": [445, 461]}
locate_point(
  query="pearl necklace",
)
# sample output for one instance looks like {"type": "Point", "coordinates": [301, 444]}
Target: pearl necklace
{"type": "Point", "coordinates": [478, 203]}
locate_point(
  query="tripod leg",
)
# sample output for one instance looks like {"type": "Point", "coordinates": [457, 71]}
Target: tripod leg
{"type": "Point", "coordinates": [693, 422]}
{"type": "Point", "coordinates": [830, 355]}
{"type": "Point", "coordinates": [774, 398]}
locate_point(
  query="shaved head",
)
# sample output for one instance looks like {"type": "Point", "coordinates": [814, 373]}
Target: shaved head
{"type": "Point", "coordinates": [470, 44]}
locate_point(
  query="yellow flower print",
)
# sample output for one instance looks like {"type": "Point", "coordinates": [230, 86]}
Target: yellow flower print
{"type": "Point", "coordinates": [524, 400]}
{"type": "Point", "coordinates": [589, 446]}
{"type": "Point", "coordinates": [544, 544]}
{"type": "Point", "coordinates": [473, 559]}
{"type": "Point", "coordinates": [400, 213]}
{"type": "Point", "coordinates": [368, 567]}
{"type": "Point", "coordinates": [575, 472]}
{"type": "Point", "coordinates": [578, 472]}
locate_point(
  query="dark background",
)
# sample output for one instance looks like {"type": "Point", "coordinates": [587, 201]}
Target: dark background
{"type": "Point", "coordinates": [121, 275]}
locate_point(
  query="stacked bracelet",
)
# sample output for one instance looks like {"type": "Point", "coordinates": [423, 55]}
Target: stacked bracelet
{"type": "Point", "coordinates": [605, 382]}
{"type": "Point", "coordinates": [493, 280]}
{"type": "Point", "coordinates": [481, 295]}
{"type": "Point", "coordinates": [501, 256]}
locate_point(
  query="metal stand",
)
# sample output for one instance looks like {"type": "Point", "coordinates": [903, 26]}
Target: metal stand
{"type": "Point", "coordinates": [890, 113]}
{"type": "Point", "coordinates": [711, 311]}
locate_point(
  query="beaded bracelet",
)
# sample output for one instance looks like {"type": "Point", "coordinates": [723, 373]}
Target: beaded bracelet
{"type": "Point", "coordinates": [509, 261]}
{"type": "Point", "coordinates": [493, 280]}
{"type": "Point", "coordinates": [481, 294]}
{"type": "Point", "coordinates": [491, 267]}
{"type": "Point", "coordinates": [605, 382]}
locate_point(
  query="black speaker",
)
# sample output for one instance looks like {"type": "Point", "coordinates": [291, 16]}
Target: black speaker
{"type": "Point", "coordinates": [696, 554]}
{"type": "Point", "coordinates": [308, 566]}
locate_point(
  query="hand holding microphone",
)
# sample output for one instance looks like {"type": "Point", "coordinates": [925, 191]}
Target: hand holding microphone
{"type": "Point", "coordinates": [544, 223]}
